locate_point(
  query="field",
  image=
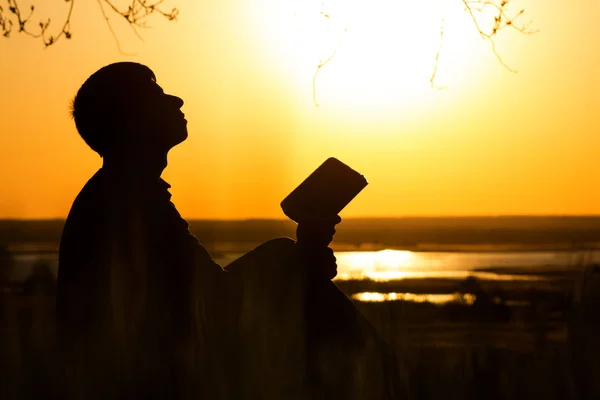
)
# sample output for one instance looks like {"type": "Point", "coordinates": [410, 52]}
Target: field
{"type": "Point", "coordinates": [454, 351]}
{"type": "Point", "coordinates": [515, 341]}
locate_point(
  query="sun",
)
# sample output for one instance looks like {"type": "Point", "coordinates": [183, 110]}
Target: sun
{"type": "Point", "coordinates": [377, 54]}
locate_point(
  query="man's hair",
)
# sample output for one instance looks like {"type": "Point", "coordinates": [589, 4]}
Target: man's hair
{"type": "Point", "coordinates": [102, 103]}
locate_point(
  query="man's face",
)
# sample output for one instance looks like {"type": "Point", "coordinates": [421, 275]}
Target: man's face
{"type": "Point", "coordinates": [159, 116]}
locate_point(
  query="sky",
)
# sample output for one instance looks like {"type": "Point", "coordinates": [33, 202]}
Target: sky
{"type": "Point", "coordinates": [484, 141]}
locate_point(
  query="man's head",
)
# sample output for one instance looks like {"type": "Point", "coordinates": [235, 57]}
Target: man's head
{"type": "Point", "coordinates": [121, 108]}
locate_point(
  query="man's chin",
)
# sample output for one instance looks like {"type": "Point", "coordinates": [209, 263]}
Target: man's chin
{"type": "Point", "coordinates": [180, 138]}
{"type": "Point", "coordinates": [184, 135]}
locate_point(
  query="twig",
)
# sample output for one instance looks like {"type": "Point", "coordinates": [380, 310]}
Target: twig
{"type": "Point", "coordinates": [110, 28]}
{"type": "Point", "coordinates": [437, 58]}
{"type": "Point", "coordinates": [501, 21]}
{"type": "Point", "coordinates": [135, 15]}
{"type": "Point", "coordinates": [321, 65]}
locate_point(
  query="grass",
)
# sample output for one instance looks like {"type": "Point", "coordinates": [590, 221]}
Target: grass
{"type": "Point", "coordinates": [548, 348]}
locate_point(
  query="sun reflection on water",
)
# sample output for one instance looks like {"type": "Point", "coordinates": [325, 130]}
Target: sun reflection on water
{"type": "Point", "coordinates": [391, 265]}
{"type": "Point", "coordinates": [415, 298]}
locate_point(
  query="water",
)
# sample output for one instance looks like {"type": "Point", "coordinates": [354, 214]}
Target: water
{"type": "Point", "coordinates": [412, 297]}
{"type": "Point", "coordinates": [387, 265]}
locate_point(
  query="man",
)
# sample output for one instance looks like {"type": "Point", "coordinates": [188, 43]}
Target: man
{"type": "Point", "coordinates": [142, 309]}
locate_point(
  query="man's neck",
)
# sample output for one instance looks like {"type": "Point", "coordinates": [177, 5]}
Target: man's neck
{"type": "Point", "coordinates": [140, 166]}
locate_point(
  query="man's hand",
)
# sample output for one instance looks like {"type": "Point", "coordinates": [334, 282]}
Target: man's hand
{"type": "Point", "coordinates": [312, 238]}
{"type": "Point", "coordinates": [317, 232]}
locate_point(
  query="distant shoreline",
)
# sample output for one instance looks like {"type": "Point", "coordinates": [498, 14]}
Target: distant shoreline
{"type": "Point", "coordinates": [242, 247]}
{"type": "Point", "coordinates": [405, 217]}
{"type": "Point", "coordinates": [424, 234]}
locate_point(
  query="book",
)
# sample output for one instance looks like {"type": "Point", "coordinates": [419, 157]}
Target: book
{"type": "Point", "coordinates": [325, 192]}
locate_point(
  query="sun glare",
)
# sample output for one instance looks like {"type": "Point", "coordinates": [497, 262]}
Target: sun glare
{"type": "Point", "coordinates": [373, 55]}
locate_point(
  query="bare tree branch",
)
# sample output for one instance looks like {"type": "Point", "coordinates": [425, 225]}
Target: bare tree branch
{"type": "Point", "coordinates": [501, 21]}
{"type": "Point", "coordinates": [14, 17]}
{"type": "Point", "coordinates": [475, 8]}
{"type": "Point", "coordinates": [136, 12]}
{"type": "Point", "coordinates": [437, 59]}
{"type": "Point", "coordinates": [135, 15]}
{"type": "Point", "coordinates": [321, 65]}
{"type": "Point", "coordinates": [112, 32]}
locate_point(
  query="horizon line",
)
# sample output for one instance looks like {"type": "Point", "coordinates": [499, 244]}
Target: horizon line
{"type": "Point", "coordinates": [489, 216]}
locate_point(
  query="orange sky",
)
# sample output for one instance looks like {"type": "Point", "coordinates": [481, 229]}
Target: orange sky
{"type": "Point", "coordinates": [492, 143]}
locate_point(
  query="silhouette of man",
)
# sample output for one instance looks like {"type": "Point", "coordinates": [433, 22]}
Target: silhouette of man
{"type": "Point", "coordinates": [140, 303]}
{"type": "Point", "coordinates": [142, 309]}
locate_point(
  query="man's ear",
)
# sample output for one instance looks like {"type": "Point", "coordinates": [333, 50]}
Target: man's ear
{"type": "Point", "coordinates": [130, 124]}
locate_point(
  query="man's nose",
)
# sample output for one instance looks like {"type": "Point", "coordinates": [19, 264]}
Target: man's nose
{"type": "Point", "coordinates": [176, 100]}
